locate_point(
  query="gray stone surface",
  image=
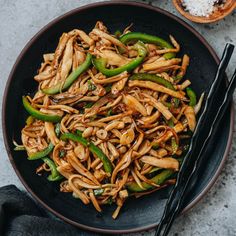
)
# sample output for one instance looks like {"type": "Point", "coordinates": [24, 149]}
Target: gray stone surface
{"type": "Point", "coordinates": [215, 214]}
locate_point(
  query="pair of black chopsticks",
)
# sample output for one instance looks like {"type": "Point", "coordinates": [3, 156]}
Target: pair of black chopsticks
{"type": "Point", "coordinates": [201, 137]}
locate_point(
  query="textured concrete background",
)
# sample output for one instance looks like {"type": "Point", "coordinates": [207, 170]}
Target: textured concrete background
{"type": "Point", "coordinates": [215, 214]}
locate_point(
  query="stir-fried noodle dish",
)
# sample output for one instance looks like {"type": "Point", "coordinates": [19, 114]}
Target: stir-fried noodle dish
{"type": "Point", "coordinates": [111, 116]}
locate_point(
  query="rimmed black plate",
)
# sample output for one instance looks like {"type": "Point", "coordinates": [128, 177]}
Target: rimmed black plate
{"type": "Point", "coordinates": [137, 214]}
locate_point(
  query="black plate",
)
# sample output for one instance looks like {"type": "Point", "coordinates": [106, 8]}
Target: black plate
{"type": "Point", "coordinates": [137, 214]}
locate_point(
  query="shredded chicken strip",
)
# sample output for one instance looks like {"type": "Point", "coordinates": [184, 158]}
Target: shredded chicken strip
{"type": "Point", "coordinates": [156, 87]}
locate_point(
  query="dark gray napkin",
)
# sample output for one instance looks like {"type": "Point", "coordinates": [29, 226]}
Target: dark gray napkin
{"type": "Point", "coordinates": [19, 215]}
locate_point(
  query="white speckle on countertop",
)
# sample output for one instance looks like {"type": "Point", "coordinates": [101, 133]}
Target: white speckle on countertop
{"type": "Point", "coordinates": [215, 214]}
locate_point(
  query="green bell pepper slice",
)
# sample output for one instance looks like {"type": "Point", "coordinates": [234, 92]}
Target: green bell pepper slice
{"type": "Point", "coordinates": [176, 102]}
{"type": "Point", "coordinates": [117, 33]}
{"type": "Point", "coordinates": [29, 120]}
{"type": "Point", "coordinates": [98, 192]}
{"type": "Point", "coordinates": [174, 145]}
{"type": "Point", "coordinates": [47, 150]}
{"type": "Point", "coordinates": [192, 97]}
{"type": "Point", "coordinates": [158, 179]}
{"type": "Point", "coordinates": [92, 148]}
{"type": "Point", "coordinates": [62, 86]}
{"type": "Point", "coordinates": [154, 78]}
{"type": "Point", "coordinates": [100, 63]}
{"type": "Point", "coordinates": [147, 38]}
{"type": "Point", "coordinates": [38, 114]}
{"type": "Point", "coordinates": [55, 175]}
{"type": "Point", "coordinates": [41, 154]}
{"type": "Point", "coordinates": [170, 123]}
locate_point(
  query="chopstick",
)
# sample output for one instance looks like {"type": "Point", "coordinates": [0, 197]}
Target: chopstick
{"type": "Point", "coordinates": [189, 160]}
{"type": "Point", "coordinates": [215, 124]}
{"type": "Point", "coordinates": [195, 139]}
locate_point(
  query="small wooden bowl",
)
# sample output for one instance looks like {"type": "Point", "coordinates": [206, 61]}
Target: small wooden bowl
{"type": "Point", "coordinates": [220, 13]}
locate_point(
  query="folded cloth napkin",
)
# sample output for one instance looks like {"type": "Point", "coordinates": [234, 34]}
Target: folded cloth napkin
{"type": "Point", "coordinates": [20, 215]}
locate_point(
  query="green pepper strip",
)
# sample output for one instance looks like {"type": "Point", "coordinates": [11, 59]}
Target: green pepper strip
{"type": "Point", "coordinates": [154, 170]}
{"type": "Point", "coordinates": [19, 148]}
{"type": "Point", "coordinates": [62, 86]}
{"type": "Point", "coordinates": [29, 120]}
{"type": "Point", "coordinates": [146, 38]}
{"type": "Point", "coordinates": [157, 79]}
{"type": "Point", "coordinates": [177, 77]}
{"type": "Point", "coordinates": [117, 33]}
{"type": "Point", "coordinates": [167, 104]}
{"type": "Point", "coordinates": [89, 105]}
{"type": "Point", "coordinates": [37, 114]}
{"type": "Point", "coordinates": [109, 112]}
{"type": "Point", "coordinates": [57, 129]}
{"type": "Point", "coordinates": [100, 63]}
{"type": "Point", "coordinates": [109, 201]}
{"type": "Point", "coordinates": [98, 192]}
{"type": "Point", "coordinates": [47, 150]}
{"type": "Point", "coordinates": [154, 78]}
{"type": "Point", "coordinates": [55, 175]}
{"type": "Point", "coordinates": [174, 145]}
{"type": "Point", "coordinates": [155, 146]}
{"type": "Point", "coordinates": [158, 179]}
{"type": "Point", "coordinates": [192, 96]}
{"type": "Point", "coordinates": [176, 102]}
{"type": "Point", "coordinates": [92, 148]}
{"type": "Point", "coordinates": [170, 123]}
{"type": "Point", "coordinates": [41, 154]}
{"type": "Point", "coordinates": [108, 88]}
